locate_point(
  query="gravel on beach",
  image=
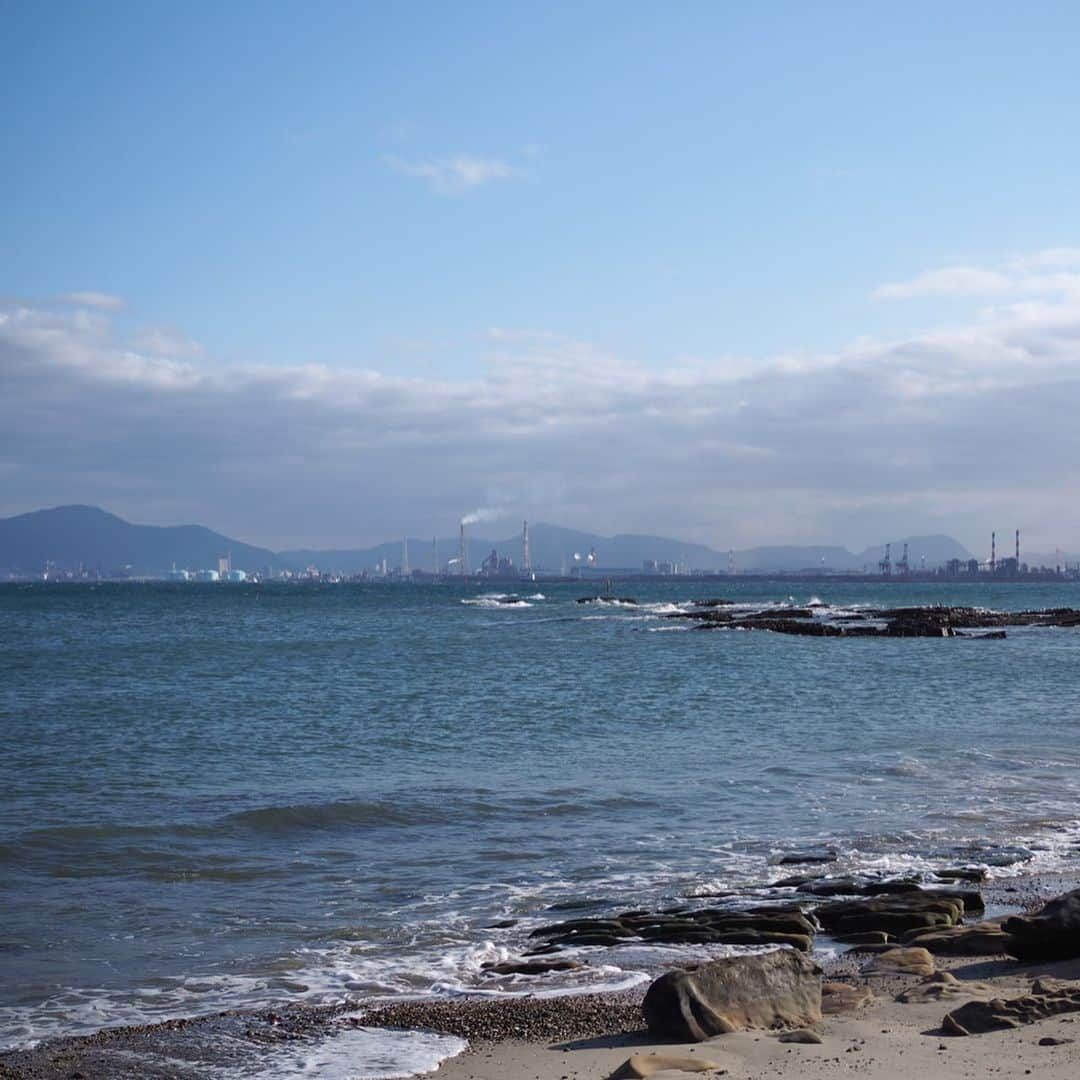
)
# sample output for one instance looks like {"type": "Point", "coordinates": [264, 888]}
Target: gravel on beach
{"type": "Point", "coordinates": [528, 1019]}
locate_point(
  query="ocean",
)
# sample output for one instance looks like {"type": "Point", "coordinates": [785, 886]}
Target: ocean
{"type": "Point", "coordinates": [221, 796]}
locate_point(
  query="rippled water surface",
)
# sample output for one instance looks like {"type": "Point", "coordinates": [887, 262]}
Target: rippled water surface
{"type": "Point", "coordinates": [218, 795]}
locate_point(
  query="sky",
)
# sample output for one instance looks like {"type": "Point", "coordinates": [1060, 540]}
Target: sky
{"type": "Point", "coordinates": [325, 274]}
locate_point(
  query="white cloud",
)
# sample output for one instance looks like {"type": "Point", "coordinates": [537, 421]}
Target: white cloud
{"type": "Point", "coordinates": [956, 430]}
{"type": "Point", "coordinates": [99, 300]}
{"type": "Point", "coordinates": [165, 341]}
{"type": "Point", "coordinates": [457, 174]}
{"type": "Point", "coordinates": [1046, 273]}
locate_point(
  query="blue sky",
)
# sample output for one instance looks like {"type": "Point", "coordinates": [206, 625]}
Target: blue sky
{"type": "Point", "coordinates": [379, 188]}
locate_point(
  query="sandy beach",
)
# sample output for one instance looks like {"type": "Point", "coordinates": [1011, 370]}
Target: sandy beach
{"type": "Point", "coordinates": [885, 1039]}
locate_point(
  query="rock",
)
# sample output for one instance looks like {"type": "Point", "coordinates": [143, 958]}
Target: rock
{"type": "Point", "coordinates": [574, 926]}
{"type": "Point", "coordinates": [979, 939]}
{"type": "Point", "coordinates": [901, 961]}
{"type": "Point", "coordinates": [801, 1035]}
{"type": "Point", "coordinates": [775, 989]}
{"type": "Point", "coordinates": [530, 967]}
{"type": "Point", "coordinates": [962, 873]}
{"type": "Point", "coordinates": [844, 886]}
{"type": "Point", "coordinates": [645, 1065]}
{"type": "Point", "coordinates": [1048, 997]}
{"type": "Point", "coordinates": [800, 858]}
{"type": "Point", "coordinates": [839, 997]}
{"type": "Point", "coordinates": [1053, 933]}
{"type": "Point", "coordinates": [891, 888]}
{"type": "Point", "coordinates": [1049, 1040]}
{"type": "Point", "coordinates": [892, 914]}
{"type": "Point", "coordinates": [942, 987]}
{"type": "Point", "coordinates": [871, 948]}
{"type": "Point", "coordinates": [791, 882]}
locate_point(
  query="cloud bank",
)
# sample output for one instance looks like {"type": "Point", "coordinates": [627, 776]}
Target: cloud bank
{"type": "Point", "coordinates": [960, 430]}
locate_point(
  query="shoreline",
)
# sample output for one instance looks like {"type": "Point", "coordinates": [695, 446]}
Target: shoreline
{"type": "Point", "coordinates": [591, 1034]}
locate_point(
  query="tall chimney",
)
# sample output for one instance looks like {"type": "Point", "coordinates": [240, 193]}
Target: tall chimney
{"type": "Point", "coordinates": [1018, 549]}
{"type": "Point", "coordinates": [526, 554]}
{"type": "Point", "coordinates": [993, 552]}
{"type": "Point", "coordinates": [463, 564]}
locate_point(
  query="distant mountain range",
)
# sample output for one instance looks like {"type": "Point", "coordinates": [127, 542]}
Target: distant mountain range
{"type": "Point", "coordinates": [74, 537]}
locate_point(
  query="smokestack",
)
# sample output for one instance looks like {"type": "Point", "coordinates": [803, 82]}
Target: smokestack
{"type": "Point", "coordinates": [526, 555]}
{"type": "Point", "coordinates": [1017, 549]}
{"type": "Point", "coordinates": [463, 564]}
{"type": "Point", "coordinates": [993, 552]}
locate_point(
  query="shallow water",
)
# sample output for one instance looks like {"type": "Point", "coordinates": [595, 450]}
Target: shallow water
{"type": "Point", "coordinates": [222, 795]}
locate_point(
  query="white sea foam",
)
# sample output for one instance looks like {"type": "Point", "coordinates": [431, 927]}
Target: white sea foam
{"type": "Point", "coordinates": [354, 1053]}
{"type": "Point", "coordinates": [496, 601]}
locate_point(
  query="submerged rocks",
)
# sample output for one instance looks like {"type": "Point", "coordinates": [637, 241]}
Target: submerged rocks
{"type": "Point", "coordinates": [1048, 997]}
{"type": "Point", "coordinates": [1053, 933]}
{"type": "Point", "coordinates": [775, 989]}
{"type": "Point", "coordinates": [805, 858]}
{"type": "Point", "coordinates": [530, 967]}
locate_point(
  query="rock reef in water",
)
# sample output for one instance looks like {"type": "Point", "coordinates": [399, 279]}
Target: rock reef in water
{"type": "Point", "coordinates": [929, 621]}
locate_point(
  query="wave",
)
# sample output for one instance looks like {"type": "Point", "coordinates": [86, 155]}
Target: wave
{"type": "Point", "coordinates": [496, 602]}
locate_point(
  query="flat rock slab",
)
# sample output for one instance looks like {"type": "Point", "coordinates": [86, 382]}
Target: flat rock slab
{"type": "Point", "coordinates": [655, 1065]}
{"type": "Point", "coordinates": [768, 990]}
{"type": "Point", "coordinates": [901, 961]}
{"type": "Point", "coordinates": [1048, 997]}
{"type": "Point", "coordinates": [841, 997]}
{"type": "Point", "coordinates": [801, 1035]}
{"type": "Point", "coordinates": [943, 987]}
{"type": "Point", "coordinates": [980, 939]}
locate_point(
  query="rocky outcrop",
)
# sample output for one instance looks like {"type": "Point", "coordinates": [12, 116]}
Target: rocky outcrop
{"type": "Point", "coordinates": [929, 621]}
{"type": "Point", "coordinates": [801, 1035]}
{"type": "Point", "coordinates": [899, 961]}
{"type": "Point", "coordinates": [770, 990]}
{"type": "Point", "coordinates": [841, 997]}
{"type": "Point", "coordinates": [979, 939]}
{"type": "Point", "coordinates": [1048, 997]}
{"type": "Point", "coordinates": [943, 987]}
{"type": "Point", "coordinates": [1052, 933]}
{"type": "Point", "coordinates": [705, 926]}
{"type": "Point", "coordinates": [892, 914]}
{"type": "Point", "coordinates": [641, 1066]}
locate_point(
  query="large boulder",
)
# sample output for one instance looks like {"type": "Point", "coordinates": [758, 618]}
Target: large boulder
{"type": "Point", "coordinates": [1050, 934]}
{"type": "Point", "coordinates": [779, 989]}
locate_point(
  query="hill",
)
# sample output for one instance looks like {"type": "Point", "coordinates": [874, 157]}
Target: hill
{"type": "Point", "coordinates": [85, 536]}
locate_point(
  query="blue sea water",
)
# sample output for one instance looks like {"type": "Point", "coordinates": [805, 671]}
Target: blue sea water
{"type": "Point", "coordinates": [217, 796]}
